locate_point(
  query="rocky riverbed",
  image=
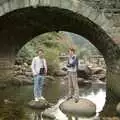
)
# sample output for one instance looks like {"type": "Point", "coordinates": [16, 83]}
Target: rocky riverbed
{"type": "Point", "coordinates": [86, 75]}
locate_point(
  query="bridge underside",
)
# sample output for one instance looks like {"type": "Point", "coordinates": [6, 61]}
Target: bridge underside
{"type": "Point", "coordinates": [20, 26]}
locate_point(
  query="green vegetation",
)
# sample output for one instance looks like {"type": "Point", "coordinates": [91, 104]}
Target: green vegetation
{"type": "Point", "coordinates": [53, 44]}
{"type": "Point", "coordinates": [84, 47]}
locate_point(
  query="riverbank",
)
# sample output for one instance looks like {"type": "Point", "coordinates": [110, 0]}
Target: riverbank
{"type": "Point", "coordinates": [86, 75]}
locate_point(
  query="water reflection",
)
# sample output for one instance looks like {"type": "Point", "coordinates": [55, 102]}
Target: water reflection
{"type": "Point", "coordinates": [10, 110]}
{"type": "Point", "coordinates": [96, 95]}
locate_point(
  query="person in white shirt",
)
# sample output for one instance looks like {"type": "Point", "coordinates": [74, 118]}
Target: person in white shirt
{"type": "Point", "coordinates": [39, 70]}
{"type": "Point", "coordinates": [72, 65]}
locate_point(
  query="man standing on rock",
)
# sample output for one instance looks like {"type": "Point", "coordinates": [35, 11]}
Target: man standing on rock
{"type": "Point", "coordinates": [73, 89]}
{"type": "Point", "coordinates": [39, 70]}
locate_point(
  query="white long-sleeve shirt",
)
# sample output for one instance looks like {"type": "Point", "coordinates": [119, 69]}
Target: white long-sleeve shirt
{"type": "Point", "coordinates": [38, 63]}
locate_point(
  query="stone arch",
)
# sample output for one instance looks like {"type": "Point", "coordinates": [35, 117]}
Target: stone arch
{"type": "Point", "coordinates": [20, 26]}
{"type": "Point", "coordinates": [80, 6]}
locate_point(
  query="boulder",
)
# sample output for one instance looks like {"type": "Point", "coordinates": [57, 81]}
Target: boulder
{"type": "Point", "coordinates": [98, 70]}
{"type": "Point", "coordinates": [48, 114]}
{"type": "Point", "coordinates": [18, 61]}
{"type": "Point", "coordinates": [60, 73]}
{"type": "Point", "coordinates": [83, 82]}
{"type": "Point", "coordinates": [3, 85]}
{"type": "Point", "coordinates": [29, 74]}
{"type": "Point", "coordinates": [41, 104]}
{"type": "Point", "coordinates": [7, 101]}
{"type": "Point", "coordinates": [22, 80]}
{"type": "Point", "coordinates": [83, 71]}
{"type": "Point", "coordinates": [25, 64]}
{"type": "Point", "coordinates": [96, 77]}
{"type": "Point", "coordinates": [102, 77]}
{"type": "Point", "coordinates": [16, 67]}
{"type": "Point", "coordinates": [83, 108]}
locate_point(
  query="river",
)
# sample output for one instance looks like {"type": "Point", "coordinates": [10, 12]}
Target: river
{"type": "Point", "coordinates": [13, 100]}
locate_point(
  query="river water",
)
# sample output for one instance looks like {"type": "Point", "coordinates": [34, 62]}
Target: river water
{"type": "Point", "coordinates": [13, 100]}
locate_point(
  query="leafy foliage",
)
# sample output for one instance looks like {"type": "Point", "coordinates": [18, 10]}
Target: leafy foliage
{"type": "Point", "coordinates": [53, 43]}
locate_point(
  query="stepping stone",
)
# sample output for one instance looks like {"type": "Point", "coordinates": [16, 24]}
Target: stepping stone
{"type": "Point", "coordinates": [83, 108]}
{"type": "Point", "coordinates": [41, 104]}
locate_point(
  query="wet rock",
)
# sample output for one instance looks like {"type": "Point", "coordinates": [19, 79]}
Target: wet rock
{"type": "Point", "coordinates": [48, 114]}
{"type": "Point", "coordinates": [98, 70]}
{"type": "Point", "coordinates": [41, 104]}
{"type": "Point", "coordinates": [21, 80]}
{"type": "Point", "coordinates": [17, 67]}
{"type": "Point", "coordinates": [96, 77]}
{"type": "Point", "coordinates": [102, 77]}
{"type": "Point", "coordinates": [60, 73]}
{"type": "Point", "coordinates": [50, 78]}
{"type": "Point", "coordinates": [83, 71]}
{"type": "Point", "coordinates": [110, 118]}
{"type": "Point", "coordinates": [19, 61]}
{"type": "Point", "coordinates": [29, 74]}
{"type": "Point", "coordinates": [20, 72]}
{"type": "Point", "coordinates": [7, 101]}
{"type": "Point", "coordinates": [28, 69]}
{"type": "Point", "coordinates": [83, 108]}
{"type": "Point", "coordinates": [83, 82]}
{"type": "Point", "coordinates": [25, 64]}
{"type": "Point", "coordinates": [3, 86]}
{"type": "Point", "coordinates": [64, 69]}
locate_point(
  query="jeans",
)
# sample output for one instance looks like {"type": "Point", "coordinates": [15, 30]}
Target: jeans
{"type": "Point", "coordinates": [38, 85]}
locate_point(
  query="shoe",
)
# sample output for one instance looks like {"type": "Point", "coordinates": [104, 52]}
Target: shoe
{"type": "Point", "coordinates": [68, 97]}
{"type": "Point", "coordinates": [76, 99]}
{"type": "Point", "coordinates": [36, 99]}
{"type": "Point", "coordinates": [41, 98]}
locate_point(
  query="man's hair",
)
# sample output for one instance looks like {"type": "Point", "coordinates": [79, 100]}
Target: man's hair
{"type": "Point", "coordinates": [40, 49]}
{"type": "Point", "coordinates": [72, 49]}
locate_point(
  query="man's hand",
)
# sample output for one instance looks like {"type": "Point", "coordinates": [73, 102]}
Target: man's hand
{"type": "Point", "coordinates": [69, 65]}
{"type": "Point", "coordinates": [45, 72]}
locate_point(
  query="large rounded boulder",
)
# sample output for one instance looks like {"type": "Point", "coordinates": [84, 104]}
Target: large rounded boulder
{"type": "Point", "coordinates": [83, 108]}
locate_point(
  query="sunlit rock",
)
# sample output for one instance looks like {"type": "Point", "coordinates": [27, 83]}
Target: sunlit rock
{"type": "Point", "coordinates": [83, 108]}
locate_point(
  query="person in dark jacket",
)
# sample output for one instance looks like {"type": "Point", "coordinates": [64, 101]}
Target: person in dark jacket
{"type": "Point", "coordinates": [73, 89]}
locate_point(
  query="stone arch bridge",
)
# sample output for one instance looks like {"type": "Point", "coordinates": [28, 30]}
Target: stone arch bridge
{"type": "Point", "coordinates": [22, 20]}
